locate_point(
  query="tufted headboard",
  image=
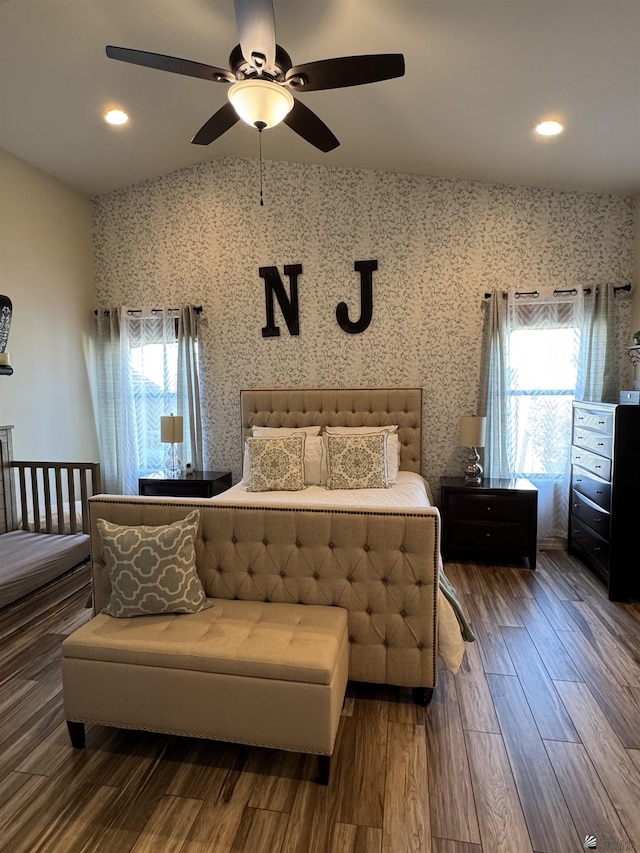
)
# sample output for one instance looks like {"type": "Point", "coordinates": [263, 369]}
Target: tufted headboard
{"type": "Point", "coordinates": [341, 407]}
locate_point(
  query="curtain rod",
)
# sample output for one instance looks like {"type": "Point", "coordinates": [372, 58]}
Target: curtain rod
{"type": "Point", "coordinates": [106, 312]}
{"type": "Point", "coordinates": [572, 292]}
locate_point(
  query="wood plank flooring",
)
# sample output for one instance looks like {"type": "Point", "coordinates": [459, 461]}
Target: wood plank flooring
{"type": "Point", "coordinates": [532, 746]}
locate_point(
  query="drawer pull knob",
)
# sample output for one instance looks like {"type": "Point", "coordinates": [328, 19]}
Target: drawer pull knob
{"type": "Point", "coordinates": [488, 535]}
{"type": "Point", "coordinates": [596, 547]}
{"type": "Point", "coordinates": [598, 491]}
{"type": "Point", "coordinates": [601, 444]}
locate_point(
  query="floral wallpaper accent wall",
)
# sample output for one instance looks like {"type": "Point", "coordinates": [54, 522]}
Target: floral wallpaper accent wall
{"type": "Point", "coordinates": [199, 236]}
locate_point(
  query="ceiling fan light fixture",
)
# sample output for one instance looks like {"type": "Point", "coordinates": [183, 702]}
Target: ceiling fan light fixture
{"type": "Point", "coordinates": [260, 102]}
{"type": "Point", "coordinates": [549, 127]}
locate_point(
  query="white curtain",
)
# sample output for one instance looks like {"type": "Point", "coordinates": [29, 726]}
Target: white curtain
{"type": "Point", "coordinates": [542, 351]}
{"type": "Point", "coordinates": [147, 366]}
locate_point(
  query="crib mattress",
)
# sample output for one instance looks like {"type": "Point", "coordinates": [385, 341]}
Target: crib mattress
{"type": "Point", "coordinates": [30, 560]}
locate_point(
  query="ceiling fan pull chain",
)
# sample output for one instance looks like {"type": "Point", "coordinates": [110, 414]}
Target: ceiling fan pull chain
{"type": "Point", "coordinates": [261, 126]}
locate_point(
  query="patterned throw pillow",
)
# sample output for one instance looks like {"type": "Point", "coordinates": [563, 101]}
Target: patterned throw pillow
{"type": "Point", "coordinates": [277, 464]}
{"type": "Point", "coordinates": [152, 569]}
{"type": "Point", "coordinates": [357, 461]}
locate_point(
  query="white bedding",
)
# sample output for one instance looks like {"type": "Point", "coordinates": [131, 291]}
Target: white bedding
{"type": "Point", "coordinates": [411, 491]}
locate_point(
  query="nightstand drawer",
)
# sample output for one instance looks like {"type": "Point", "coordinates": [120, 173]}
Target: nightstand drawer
{"type": "Point", "coordinates": [601, 444]}
{"type": "Point", "coordinates": [491, 508]}
{"type": "Point", "coordinates": [591, 514]}
{"type": "Point", "coordinates": [593, 463]}
{"type": "Point", "coordinates": [485, 536]}
{"type": "Point", "coordinates": [597, 490]}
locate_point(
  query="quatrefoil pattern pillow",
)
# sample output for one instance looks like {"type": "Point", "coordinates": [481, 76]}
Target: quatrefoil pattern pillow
{"type": "Point", "coordinates": [152, 569]}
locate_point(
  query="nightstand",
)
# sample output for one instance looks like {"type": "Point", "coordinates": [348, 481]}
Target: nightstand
{"type": "Point", "coordinates": [495, 517]}
{"type": "Point", "coordinates": [199, 484]}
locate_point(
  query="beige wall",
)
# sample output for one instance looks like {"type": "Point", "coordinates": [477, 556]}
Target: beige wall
{"type": "Point", "coordinates": [46, 269]}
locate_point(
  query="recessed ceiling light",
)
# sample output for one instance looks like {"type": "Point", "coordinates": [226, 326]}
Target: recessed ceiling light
{"type": "Point", "coordinates": [550, 127]}
{"type": "Point", "coordinates": [116, 117]}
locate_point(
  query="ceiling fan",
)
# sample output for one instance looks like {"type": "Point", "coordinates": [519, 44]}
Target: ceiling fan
{"type": "Point", "coordinates": [263, 78]}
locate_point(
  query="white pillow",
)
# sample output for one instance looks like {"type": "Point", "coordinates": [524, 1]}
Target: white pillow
{"type": "Point", "coordinates": [357, 461]}
{"type": "Point", "coordinates": [277, 464]}
{"type": "Point", "coordinates": [282, 432]}
{"type": "Point", "coordinates": [393, 444]}
{"type": "Point", "coordinates": [315, 469]}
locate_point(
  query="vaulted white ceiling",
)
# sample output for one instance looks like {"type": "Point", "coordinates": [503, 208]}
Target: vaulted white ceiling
{"type": "Point", "coordinates": [479, 75]}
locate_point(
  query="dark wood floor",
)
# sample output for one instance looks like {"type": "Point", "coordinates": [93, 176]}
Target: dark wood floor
{"type": "Point", "coordinates": [532, 746]}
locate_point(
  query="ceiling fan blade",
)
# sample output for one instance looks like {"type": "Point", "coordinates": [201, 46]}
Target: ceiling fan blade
{"type": "Point", "coordinates": [218, 124]}
{"type": "Point", "coordinates": [257, 30]}
{"type": "Point", "coordinates": [170, 63]}
{"type": "Point", "coordinates": [345, 71]}
{"type": "Point", "coordinates": [307, 125]}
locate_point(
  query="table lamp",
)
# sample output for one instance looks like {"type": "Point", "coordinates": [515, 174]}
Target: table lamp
{"type": "Point", "coordinates": [172, 432]}
{"type": "Point", "coordinates": [472, 435]}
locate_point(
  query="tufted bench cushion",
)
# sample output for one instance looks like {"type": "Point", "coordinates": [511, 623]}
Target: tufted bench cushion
{"type": "Point", "coordinates": [245, 671]}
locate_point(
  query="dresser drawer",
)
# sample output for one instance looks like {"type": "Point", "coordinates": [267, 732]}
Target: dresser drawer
{"type": "Point", "coordinates": [595, 549]}
{"type": "Point", "coordinates": [601, 422]}
{"type": "Point", "coordinates": [602, 444]}
{"type": "Point", "coordinates": [590, 514]}
{"type": "Point", "coordinates": [591, 462]}
{"type": "Point", "coordinates": [597, 490]}
{"type": "Point", "coordinates": [490, 508]}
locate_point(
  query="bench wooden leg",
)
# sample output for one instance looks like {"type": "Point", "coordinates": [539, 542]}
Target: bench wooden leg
{"type": "Point", "coordinates": [76, 733]}
{"type": "Point", "coordinates": [324, 766]}
{"type": "Point", "coordinates": [422, 695]}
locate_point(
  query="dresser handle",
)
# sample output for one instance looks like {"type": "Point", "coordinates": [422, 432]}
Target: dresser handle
{"type": "Point", "coordinates": [598, 491]}
{"type": "Point", "coordinates": [601, 444]}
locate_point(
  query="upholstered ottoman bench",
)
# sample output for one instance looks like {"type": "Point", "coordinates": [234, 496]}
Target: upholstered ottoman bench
{"type": "Point", "coordinates": [250, 672]}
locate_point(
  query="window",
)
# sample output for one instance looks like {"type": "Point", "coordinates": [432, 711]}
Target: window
{"type": "Point", "coordinates": [147, 367]}
{"type": "Point", "coordinates": [543, 369]}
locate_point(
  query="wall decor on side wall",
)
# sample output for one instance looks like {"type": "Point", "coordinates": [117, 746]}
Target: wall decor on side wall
{"type": "Point", "coordinates": [289, 305]}
{"type": "Point", "coordinates": [6, 311]}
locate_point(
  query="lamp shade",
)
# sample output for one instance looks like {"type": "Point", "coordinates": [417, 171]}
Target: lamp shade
{"type": "Point", "coordinates": [171, 429]}
{"type": "Point", "coordinates": [260, 102]}
{"type": "Point", "coordinates": [472, 431]}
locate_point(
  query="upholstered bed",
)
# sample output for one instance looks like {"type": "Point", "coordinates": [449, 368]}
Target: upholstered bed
{"type": "Point", "coordinates": [347, 410]}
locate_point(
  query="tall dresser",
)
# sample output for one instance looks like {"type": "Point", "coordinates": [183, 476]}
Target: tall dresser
{"type": "Point", "coordinates": [604, 524]}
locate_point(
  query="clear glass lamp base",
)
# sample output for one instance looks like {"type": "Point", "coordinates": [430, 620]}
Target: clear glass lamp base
{"type": "Point", "coordinates": [473, 468]}
{"type": "Point", "coordinates": [173, 464]}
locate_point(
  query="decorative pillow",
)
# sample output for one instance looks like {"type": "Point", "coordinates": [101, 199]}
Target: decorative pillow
{"type": "Point", "coordinates": [393, 444]}
{"type": "Point", "coordinates": [277, 464]}
{"type": "Point", "coordinates": [357, 461]}
{"type": "Point", "coordinates": [313, 452]}
{"type": "Point", "coordinates": [315, 469]}
{"type": "Point", "coordinates": [152, 569]}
